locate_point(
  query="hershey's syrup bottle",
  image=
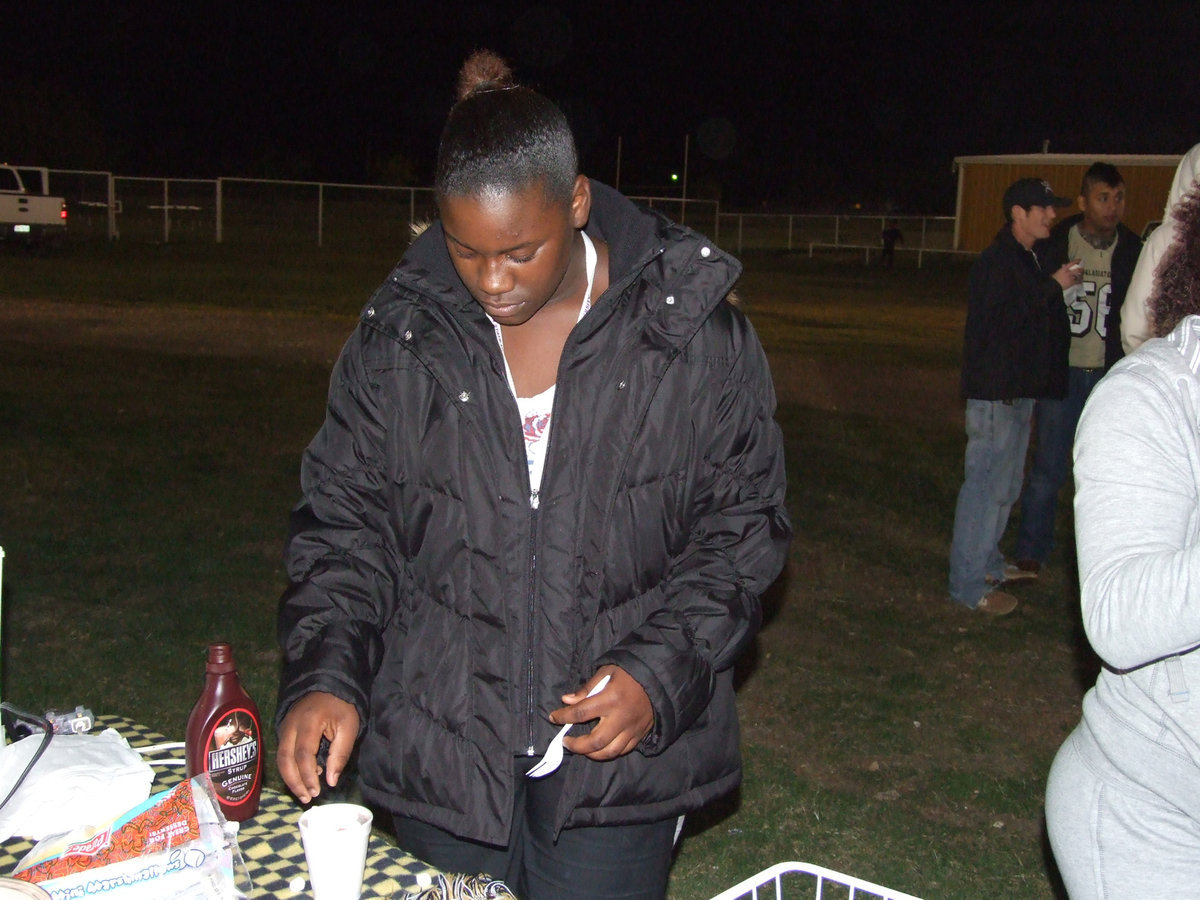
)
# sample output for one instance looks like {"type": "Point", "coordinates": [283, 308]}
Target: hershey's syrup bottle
{"type": "Point", "coordinates": [224, 737]}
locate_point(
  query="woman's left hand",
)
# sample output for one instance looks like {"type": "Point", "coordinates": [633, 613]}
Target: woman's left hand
{"type": "Point", "coordinates": [623, 709]}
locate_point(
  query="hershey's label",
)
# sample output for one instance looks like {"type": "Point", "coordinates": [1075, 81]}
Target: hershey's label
{"type": "Point", "coordinates": [232, 756]}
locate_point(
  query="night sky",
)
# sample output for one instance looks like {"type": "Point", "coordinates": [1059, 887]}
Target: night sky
{"type": "Point", "coordinates": [787, 106]}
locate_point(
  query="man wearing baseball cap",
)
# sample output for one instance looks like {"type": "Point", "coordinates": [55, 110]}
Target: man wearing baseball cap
{"type": "Point", "coordinates": [1014, 352]}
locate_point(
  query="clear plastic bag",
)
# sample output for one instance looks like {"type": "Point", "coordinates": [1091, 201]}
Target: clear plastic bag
{"type": "Point", "coordinates": [78, 779]}
{"type": "Point", "coordinates": [176, 844]}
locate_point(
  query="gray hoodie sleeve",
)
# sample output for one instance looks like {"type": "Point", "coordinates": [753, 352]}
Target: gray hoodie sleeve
{"type": "Point", "coordinates": [1136, 509]}
{"type": "Point", "coordinates": [1136, 328]}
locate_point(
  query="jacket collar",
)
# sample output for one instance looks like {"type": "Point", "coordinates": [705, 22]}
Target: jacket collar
{"type": "Point", "coordinates": [687, 275]}
{"type": "Point", "coordinates": [1006, 237]}
{"type": "Point", "coordinates": [626, 229]}
{"type": "Point", "coordinates": [1060, 231]}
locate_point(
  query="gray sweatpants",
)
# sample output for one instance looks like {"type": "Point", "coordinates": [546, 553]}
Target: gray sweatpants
{"type": "Point", "coordinates": [1112, 838]}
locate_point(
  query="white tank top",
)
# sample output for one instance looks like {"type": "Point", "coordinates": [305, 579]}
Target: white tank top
{"type": "Point", "coordinates": [536, 411]}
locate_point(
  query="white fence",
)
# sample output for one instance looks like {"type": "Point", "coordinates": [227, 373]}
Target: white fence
{"type": "Point", "coordinates": [238, 210]}
{"type": "Point", "coordinates": [739, 232]}
{"type": "Point", "coordinates": [91, 201]}
{"type": "Point", "coordinates": [798, 231]}
{"type": "Point", "coordinates": [326, 214]}
{"type": "Point", "coordinates": [321, 213]}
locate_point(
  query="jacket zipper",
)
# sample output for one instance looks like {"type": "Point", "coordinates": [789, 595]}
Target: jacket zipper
{"type": "Point", "coordinates": [530, 749]}
{"type": "Point", "coordinates": [534, 503]}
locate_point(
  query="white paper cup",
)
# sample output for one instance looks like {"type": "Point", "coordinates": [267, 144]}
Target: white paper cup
{"type": "Point", "coordinates": [335, 845]}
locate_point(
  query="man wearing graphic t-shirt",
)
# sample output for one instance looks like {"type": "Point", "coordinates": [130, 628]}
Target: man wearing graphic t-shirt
{"type": "Point", "coordinates": [1108, 252]}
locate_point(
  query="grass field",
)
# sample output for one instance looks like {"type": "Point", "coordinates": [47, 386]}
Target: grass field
{"type": "Point", "coordinates": [887, 733]}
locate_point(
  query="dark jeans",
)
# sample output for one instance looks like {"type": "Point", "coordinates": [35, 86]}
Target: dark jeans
{"type": "Point", "coordinates": [1054, 423]}
{"type": "Point", "coordinates": [607, 862]}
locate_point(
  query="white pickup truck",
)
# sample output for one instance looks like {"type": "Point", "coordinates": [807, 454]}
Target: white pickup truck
{"type": "Point", "coordinates": [27, 211]}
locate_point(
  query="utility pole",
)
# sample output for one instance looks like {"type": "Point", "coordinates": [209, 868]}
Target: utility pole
{"type": "Point", "coordinates": [683, 208]}
{"type": "Point", "coordinates": [617, 180]}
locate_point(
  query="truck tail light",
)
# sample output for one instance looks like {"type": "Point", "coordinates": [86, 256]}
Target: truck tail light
{"type": "Point", "coordinates": [63, 212]}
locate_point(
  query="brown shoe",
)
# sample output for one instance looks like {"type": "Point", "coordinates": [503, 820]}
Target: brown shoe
{"type": "Point", "coordinates": [996, 603]}
{"type": "Point", "coordinates": [1021, 570]}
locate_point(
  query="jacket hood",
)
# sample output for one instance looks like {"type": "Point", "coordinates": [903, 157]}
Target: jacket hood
{"type": "Point", "coordinates": [1176, 293]}
{"type": "Point", "coordinates": [1185, 176]}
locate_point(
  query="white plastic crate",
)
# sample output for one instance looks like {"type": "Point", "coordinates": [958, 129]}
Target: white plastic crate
{"type": "Point", "coordinates": [797, 881]}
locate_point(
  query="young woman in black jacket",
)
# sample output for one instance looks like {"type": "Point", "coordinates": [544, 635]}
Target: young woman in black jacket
{"type": "Point", "coordinates": [549, 459]}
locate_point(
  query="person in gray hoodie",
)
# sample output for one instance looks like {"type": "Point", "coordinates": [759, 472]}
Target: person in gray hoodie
{"type": "Point", "coordinates": [1136, 327]}
{"type": "Point", "coordinates": [1123, 796]}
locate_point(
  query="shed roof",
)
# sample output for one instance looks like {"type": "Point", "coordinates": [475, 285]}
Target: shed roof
{"type": "Point", "coordinates": [1075, 159]}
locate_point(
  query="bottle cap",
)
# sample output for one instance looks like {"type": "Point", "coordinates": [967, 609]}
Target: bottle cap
{"type": "Point", "coordinates": [220, 660]}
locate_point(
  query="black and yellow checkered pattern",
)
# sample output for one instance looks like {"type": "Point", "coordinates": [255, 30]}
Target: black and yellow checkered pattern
{"type": "Point", "coordinates": [269, 842]}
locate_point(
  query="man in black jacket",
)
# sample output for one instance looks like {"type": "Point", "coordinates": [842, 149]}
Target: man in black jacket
{"type": "Point", "coordinates": [1014, 348]}
{"type": "Point", "coordinates": [1107, 251]}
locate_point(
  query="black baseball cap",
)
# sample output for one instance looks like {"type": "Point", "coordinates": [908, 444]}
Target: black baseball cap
{"type": "Point", "coordinates": [1031, 192]}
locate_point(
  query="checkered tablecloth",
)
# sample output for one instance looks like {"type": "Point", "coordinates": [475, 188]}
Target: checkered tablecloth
{"type": "Point", "coordinates": [270, 841]}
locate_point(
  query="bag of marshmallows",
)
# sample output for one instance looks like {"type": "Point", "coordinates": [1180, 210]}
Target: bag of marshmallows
{"type": "Point", "coordinates": [176, 844]}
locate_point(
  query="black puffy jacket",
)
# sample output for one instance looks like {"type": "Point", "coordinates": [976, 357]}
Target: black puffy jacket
{"type": "Point", "coordinates": [426, 590]}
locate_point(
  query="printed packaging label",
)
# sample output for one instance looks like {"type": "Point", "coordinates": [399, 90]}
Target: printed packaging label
{"type": "Point", "coordinates": [231, 756]}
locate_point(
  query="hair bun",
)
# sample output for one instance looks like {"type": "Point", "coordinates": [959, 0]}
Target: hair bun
{"type": "Point", "coordinates": [483, 71]}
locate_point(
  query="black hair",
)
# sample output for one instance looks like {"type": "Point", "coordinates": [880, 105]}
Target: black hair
{"type": "Point", "coordinates": [1100, 173]}
{"type": "Point", "coordinates": [502, 136]}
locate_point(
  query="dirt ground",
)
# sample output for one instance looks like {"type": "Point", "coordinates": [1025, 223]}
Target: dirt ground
{"type": "Point", "coordinates": [929, 395]}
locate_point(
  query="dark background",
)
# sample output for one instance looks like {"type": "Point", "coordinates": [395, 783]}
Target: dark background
{"type": "Point", "coordinates": [787, 106]}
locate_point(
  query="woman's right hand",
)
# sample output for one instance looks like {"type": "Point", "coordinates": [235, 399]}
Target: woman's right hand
{"type": "Point", "coordinates": [313, 717]}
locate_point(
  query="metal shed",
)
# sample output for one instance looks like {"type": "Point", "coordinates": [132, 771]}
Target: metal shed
{"type": "Point", "coordinates": [982, 180]}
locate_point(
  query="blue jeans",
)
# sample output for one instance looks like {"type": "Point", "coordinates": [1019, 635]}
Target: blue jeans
{"type": "Point", "coordinates": [1056, 423]}
{"type": "Point", "coordinates": [997, 438]}
{"type": "Point", "coordinates": [602, 862]}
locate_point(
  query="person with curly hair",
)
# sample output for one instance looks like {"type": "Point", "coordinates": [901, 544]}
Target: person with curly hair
{"type": "Point", "coordinates": [1136, 327]}
{"type": "Point", "coordinates": [549, 464]}
{"type": "Point", "coordinates": [1123, 796]}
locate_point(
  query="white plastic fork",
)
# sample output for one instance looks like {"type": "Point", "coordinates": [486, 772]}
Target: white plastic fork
{"type": "Point", "coordinates": [554, 753]}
